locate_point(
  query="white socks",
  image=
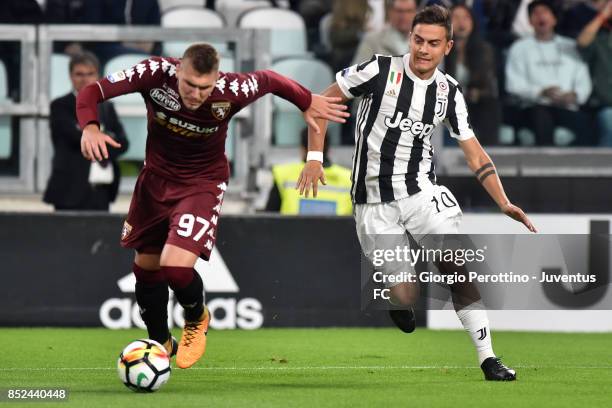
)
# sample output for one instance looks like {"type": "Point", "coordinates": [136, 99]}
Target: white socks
{"type": "Point", "coordinates": [476, 323]}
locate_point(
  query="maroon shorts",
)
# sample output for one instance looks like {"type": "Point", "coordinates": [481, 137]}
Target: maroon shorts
{"type": "Point", "coordinates": [163, 212]}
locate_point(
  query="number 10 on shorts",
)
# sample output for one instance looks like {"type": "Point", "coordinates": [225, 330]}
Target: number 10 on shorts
{"type": "Point", "coordinates": [187, 225]}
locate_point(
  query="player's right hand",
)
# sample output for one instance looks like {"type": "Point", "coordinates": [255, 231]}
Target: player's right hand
{"type": "Point", "coordinates": [309, 178]}
{"type": "Point", "coordinates": [517, 214]}
{"type": "Point", "coordinates": [93, 143]}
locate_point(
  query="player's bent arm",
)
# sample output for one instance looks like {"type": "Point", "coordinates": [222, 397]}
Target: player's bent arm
{"type": "Point", "coordinates": [93, 141]}
{"type": "Point", "coordinates": [481, 164]}
{"type": "Point", "coordinates": [313, 169]}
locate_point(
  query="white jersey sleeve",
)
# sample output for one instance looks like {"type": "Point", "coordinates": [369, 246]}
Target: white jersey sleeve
{"type": "Point", "coordinates": [457, 119]}
{"type": "Point", "coordinates": [359, 79]}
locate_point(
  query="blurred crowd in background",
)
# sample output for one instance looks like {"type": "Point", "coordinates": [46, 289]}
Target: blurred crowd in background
{"type": "Point", "coordinates": [534, 65]}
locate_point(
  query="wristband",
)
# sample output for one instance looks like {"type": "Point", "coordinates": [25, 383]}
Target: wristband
{"type": "Point", "coordinates": [318, 156]}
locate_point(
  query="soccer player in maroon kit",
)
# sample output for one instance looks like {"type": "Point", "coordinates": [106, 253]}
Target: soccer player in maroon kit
{"type": "Point", "coordinates": [177, 199]}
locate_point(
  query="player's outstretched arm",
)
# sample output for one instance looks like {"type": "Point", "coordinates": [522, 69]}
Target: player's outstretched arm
{"type": "Point", "coordinates": [325, 108]}
{"type": "Point", "coordinates": [313, 106]}
{"type": "Point", "coordinates": [481, 164]}
{"type": "Point", "coordinates": [313, 172]}
{"type": "Point", "coordinates": [93, 143]}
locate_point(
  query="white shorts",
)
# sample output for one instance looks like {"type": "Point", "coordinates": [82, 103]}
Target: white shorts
{"type": "Point", "coordinates": [387, 225]}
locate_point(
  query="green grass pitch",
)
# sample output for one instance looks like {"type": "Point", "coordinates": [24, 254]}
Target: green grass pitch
{"type": "Point", "coordinates": [319, 367]}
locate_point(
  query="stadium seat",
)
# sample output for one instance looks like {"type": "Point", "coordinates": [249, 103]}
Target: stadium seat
{"type": "Point", "coordinates": [288, 122]}
{"type": "Point", "coordinates": [287, 30]}
{"type": "Point", "coordinates": [5, 137]}
{"type": "Point", "coordinates": [5, 121]}
{"type": "Point", "coordinates": [562, 137]}
{"type": "Point", "coordinates": [165, 5]}
{"type": "Point", "coordinates": [506, 135]}
{"type": "Point", "coordinates": [131, 109]}
{"type": "Point", "coordinates": [324, 30]}
{"type": "Point", "coordinates": [233, 9]}
{"type": "Point", "coordinates": [60, 83]}
{"type": "Point", "coordinates": [191, 17]}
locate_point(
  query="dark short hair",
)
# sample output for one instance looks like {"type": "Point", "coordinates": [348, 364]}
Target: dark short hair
{"type": "Point", "coordinates": [84, 58]}
{"type": "Point", "coordinates": [435, 15]}
{"type": "Point", "coordinates": [203, 57]}
{"type": "Point", "coordinates": [536, 3]}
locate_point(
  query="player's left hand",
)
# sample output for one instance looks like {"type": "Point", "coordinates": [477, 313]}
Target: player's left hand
{"type": "Point", "coordinates": [325, 107]}
{"type": "Point", "coordinates": [310, 176]}
{"type": "Point", "coordinates": [517, 214]}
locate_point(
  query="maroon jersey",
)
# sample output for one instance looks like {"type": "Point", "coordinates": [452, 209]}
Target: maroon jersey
{"type": "Point", "coordinates": [182, 144]}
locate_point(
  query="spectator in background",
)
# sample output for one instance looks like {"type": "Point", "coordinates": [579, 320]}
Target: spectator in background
{"type": "Point", "coordinates": [122, 12]}
{"type": "Point", "coordinates": [393, 38]}
{"type": "Point", "coordinates": [378, 15]}
{"type": "Point", "coordinates": [577, 17]}
{"type": "Point", "coordinates": [65, 12]}
{"type": "Point", "coordinates": [348, 24]}
{"type": "Point", "coordinates": [521, 25]}
{"type": "Point", "coordinates": [75, 183]}
{"type": "Point", "coordinates": [595, 45]}
{"type": "Point", "coordinates": [500, 15]}
{"type": "Point", "coordinates": [313, 12]}
{"type": "Point", "coordinates": [547, 75]}
{"type": "Point", "coordinates": [472, 63]}
{"type": "Point", "coordinates": [333, 198]}
{"type": "Point", "coordinates": [477, 8]}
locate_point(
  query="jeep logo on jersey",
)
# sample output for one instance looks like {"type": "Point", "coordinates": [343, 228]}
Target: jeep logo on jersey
{"type": "Point", "coordinates": [417, 128]}
{"type": "Point", "coordinates": [162, 98]}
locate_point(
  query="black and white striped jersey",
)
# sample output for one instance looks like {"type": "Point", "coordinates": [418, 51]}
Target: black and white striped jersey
{"type": "Point", "coordinates": [395, 121]}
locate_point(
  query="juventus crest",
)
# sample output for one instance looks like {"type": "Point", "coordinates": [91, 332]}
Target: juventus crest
{"type": "Point", "coordinates": [441, 100]}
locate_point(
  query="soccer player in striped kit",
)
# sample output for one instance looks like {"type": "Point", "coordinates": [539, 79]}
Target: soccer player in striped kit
{"type": "Point", "coordinates": [404, 98]}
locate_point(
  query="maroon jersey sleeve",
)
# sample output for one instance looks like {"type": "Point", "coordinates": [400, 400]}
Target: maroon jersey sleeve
{"type": "Point", "coordinates": [249, 87]}
{"type": "Point", "coordinates": [138, 78]}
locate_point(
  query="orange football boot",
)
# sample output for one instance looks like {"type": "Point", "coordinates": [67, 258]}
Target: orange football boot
{"type": "Point", "coordinates": [193, 341]}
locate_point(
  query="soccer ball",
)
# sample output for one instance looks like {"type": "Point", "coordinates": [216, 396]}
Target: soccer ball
{"type": "Point", "coordinates": [144, 365]}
